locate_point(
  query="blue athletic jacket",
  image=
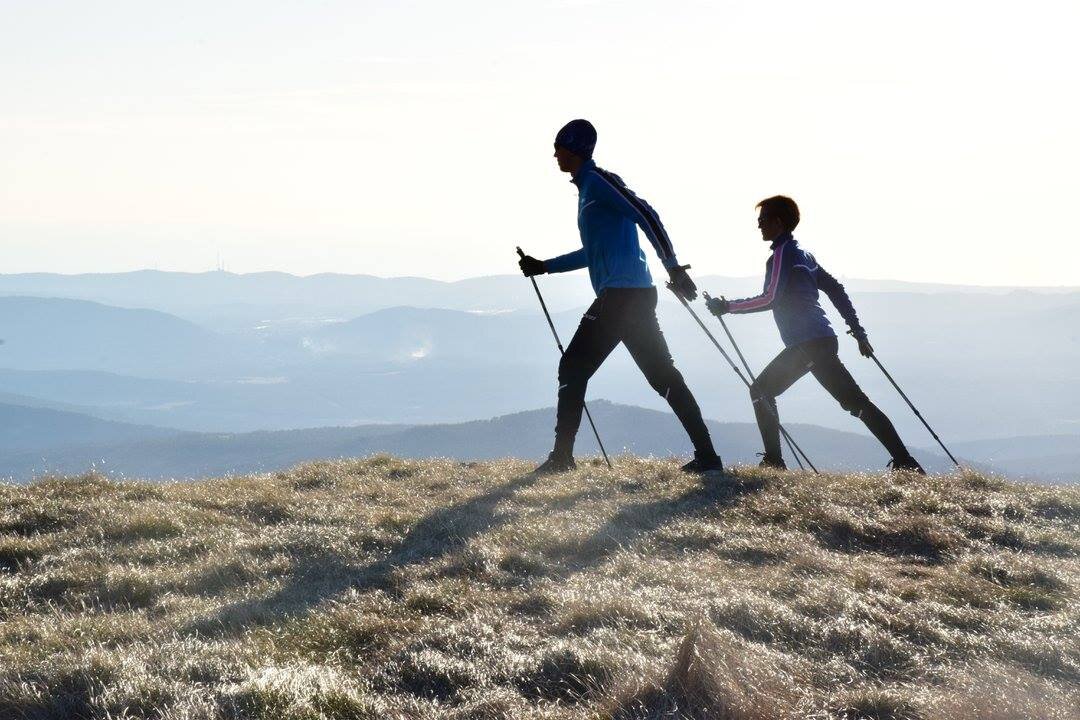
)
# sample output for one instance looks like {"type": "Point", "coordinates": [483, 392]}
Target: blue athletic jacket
{"type": "Point", "coordinates": [792, 280]}
{"type": "Point", "coordinates": [607, 214]}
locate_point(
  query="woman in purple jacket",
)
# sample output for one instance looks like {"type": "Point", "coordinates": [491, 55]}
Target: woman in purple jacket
{"type": "Point", "coordinates": [792, 281]}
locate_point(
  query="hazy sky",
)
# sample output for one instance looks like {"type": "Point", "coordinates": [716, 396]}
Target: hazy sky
{"type": "Point", "coordinates": [932, 141]}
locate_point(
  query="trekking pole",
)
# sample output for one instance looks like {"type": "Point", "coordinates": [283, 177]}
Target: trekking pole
{"type": "Point", "coordinates": [913, 408]}
{"type": "Point", "coordinates": [558, 344]}
{"type": "Point", "coordinates": [751, 374]}
{"type": "Point", "coordinates": [738, 371]}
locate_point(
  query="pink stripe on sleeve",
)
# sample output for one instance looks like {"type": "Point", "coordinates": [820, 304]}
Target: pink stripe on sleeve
{"type": "Point", "coordinates": [766, 298]}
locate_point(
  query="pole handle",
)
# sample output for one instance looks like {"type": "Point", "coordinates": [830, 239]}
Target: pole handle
{"type": "Point", "coordinates": [521, 253]}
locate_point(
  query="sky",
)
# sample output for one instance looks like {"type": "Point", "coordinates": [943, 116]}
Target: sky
{"type": "Point", "coordinates": [924, 141]}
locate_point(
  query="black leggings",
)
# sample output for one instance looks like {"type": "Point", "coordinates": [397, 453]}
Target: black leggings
{"type": "Point", "coordinates": [626, 315]}
{"type": "Point", "coordinates": [819, 358]}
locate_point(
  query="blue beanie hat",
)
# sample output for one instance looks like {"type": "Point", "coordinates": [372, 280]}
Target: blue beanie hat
{"type": "Point", "coordinates": [577, 136]}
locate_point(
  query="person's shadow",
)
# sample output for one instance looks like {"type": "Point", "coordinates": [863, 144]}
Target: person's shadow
{"type": "Point", "coordinates": [633, 522]}
{"type": "Point", "coordinates": [324, 573]}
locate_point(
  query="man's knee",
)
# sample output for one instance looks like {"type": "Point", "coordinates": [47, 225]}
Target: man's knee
{"type": "Point", "coordinates": [665, 381]}
{"type": "Point", "coordinates": [571, 372]}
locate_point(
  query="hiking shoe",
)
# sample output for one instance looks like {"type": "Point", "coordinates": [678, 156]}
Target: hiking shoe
{"type": "Point", "coordinates": [769, 461]}
{"type": "Point", "coordinates": [556, 464]}
{"type": "Point", "coordinates": [709, 464]}
{"type": "Point", "coordinates": [908, 463]}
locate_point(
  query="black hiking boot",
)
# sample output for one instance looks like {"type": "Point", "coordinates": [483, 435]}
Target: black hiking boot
{"type": "Point", "coordinates": [556, 464]}
{"type": "Point", "coordinates": [770, 461]}
{"type": "Point", "coordinates": [704, 464]}
{"type": "Point", "coordinates": [907, 463]}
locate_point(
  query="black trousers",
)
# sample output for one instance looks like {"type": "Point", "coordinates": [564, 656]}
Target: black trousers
{"type": "Point", "coordinates": [626, 315]}
{"type": "Point", "coordinates": [819, 358]}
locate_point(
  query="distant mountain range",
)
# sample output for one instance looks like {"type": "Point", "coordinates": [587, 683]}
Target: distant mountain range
{"type": "Point", "coordinates": [82, 443]}
{"type": "Point", "coordinates": [64, 334]}
{"type": "Point", "coordinates": [222, 353]}
{"type": "Point", "coordinates": [33, 428]}
{"type": "Point", "coordinates": [79, 443]}
{"type": "Point", "coordinates": [978, 365]}
{"type": "Point", "coordinates": [223, 300]}
{"type": "Point", "coordinates": [1050, 458]}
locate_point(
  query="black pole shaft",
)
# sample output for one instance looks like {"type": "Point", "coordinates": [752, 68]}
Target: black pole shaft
{"type": "Point", "coordinates": [914, 409]}
{"type": "Point", "coordinates": [738, 372]}
{"type": "Point", "coordinates": [558, 344]}
{"type": "Point", "coordinates": [750, 372]}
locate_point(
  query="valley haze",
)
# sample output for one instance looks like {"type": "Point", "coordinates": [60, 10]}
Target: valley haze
{"type": "Point", "coordinates": [190, 364]}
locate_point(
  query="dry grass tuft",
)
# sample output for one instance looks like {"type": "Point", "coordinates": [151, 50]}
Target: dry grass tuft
{"type": "Point", "coordinates": [568, 673]}
{"type": "Point", "coordinates": [144, 527]}
{"type": "Point", "coordinates": [994, 691]}
{"type": "Point", "coordinates": [400, 590]}
{"type": "Point", "coordinates": [875, 703]}
{"type": "Point", "coordinates": [714, 677]}
{"type": "Point", "coordinates": [16, 553]}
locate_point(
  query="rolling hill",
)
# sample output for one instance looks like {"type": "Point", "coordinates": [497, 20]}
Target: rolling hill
{"type": "Point", "coordinates": [385, 589]}
{"type": "Point", "coordinates": [63, 334]}
{"type": "Point", "coordinates": [625, 429]}
{"type": "Point", "coordinates": [30, 428]}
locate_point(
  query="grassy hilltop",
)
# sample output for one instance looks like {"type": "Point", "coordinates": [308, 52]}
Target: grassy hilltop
{"type": "Point", "coordinates": [381, 589]}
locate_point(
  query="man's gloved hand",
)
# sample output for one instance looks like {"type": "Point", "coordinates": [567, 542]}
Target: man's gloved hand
{"type": "Point", "coordinates": [531, 266]}
{"type": "Point", "coordinates": [681, 283]}
{"type": "Point", "coordinates": [718, 306]}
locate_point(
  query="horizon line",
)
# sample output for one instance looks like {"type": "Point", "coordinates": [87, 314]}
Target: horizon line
{"type": "Point", "coordinates": [1067, 288]}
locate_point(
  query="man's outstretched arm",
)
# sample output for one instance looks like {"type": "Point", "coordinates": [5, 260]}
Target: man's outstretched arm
{"type": "Point", "coordinates": [570, 261]}
{"type": "Point", "coordinates": [531, 266]}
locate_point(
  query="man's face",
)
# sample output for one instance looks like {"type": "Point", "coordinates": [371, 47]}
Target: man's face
{"type": "Point", "coordinates": [568, 161]}
{"type": "Point", "coordinates": [770, 227]}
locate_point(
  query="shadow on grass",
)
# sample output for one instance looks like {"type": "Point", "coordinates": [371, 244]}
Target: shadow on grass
{"type": "Point", "coordinates": [65, 694]}
{"type": "Point", "coordinates": [633, 522]}
{"type": "Point", "coordinates": [324, 574]}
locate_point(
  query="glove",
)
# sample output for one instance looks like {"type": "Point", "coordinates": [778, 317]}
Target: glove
{"type": "Point", "coordinates": [865, 348]}
{"type": "Point", "coordinates": [681, 284]}
{"type": "Point", "coordinates": [718, 306]}
{"type": "Point", "coordinates": [531, 266]}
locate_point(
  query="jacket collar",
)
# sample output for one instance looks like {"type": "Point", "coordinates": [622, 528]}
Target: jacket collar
{"type": "Point", "coordinates": [786, 237]}
{"type": "Point", "coordinates": [585, 168]}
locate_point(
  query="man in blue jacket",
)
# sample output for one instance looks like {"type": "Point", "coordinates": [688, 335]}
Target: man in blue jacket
{"type": "Point", "coordinates": [792, 280]}
{"type": "Point", "coordinates": [625, 307]}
